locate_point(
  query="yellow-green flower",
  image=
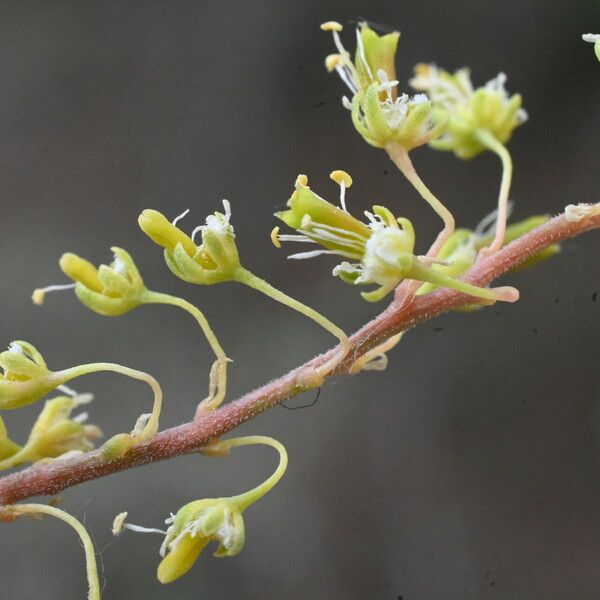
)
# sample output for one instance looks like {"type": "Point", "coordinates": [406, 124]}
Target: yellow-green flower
{"type": "Point", "coordinates": [55, 433]}
{"type": "Point", "coordinates": [192, 528]}
{"type": "Point", "coordinates": [200, 522]}
{"type": "Point", "coordinates": [26, 377]}
{"type": "Point", "coordinates": [110, 290]}
{"type": "Point", "coordinates": [213, 261]}
{"type": "Point", "coordinates": [381, 251]}
{"type": "Point", "coordinates": [468, 111]}
{"type": "Point", "coordinates": [379, 113]}
{"type": "Point", "coordinates": [593, 38]}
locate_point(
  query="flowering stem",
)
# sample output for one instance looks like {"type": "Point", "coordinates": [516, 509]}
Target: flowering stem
{"type": "Point", "coordinates": [247, 278]}
{"type": "Point", "coordinates": [401, 159]}
{"type": "Point", "coordinates": [90, 554]}
{"type": "Point", "coordinates": [215, 397]}
{"type": "Point", "coordinates": [151, 427]}
{"type": "Point", "coordinates": [243, 501]}
{"type": "Point", "coordinates": [490, 141]}
{"type": "Point", "coordinates": [52, 478]}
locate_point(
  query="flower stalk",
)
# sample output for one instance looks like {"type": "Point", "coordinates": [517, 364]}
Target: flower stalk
{"type": "Point", "coordinates": [35, 510]}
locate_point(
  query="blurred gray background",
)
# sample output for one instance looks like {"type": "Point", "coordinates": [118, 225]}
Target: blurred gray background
{"type": "Point", "coordinates": [470, 469]}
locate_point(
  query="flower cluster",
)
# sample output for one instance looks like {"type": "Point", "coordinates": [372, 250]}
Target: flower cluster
{"type": "Point", "coordinates": [26, 377]}
{"type": "Point", "coordinates": [215, 260]}
{"type": "Point", "coordinates": [200, 522]}
{"type": "Point", "coordinates": [379, 113]}
{"type": "Point", "coordinates": [381, 250]}
{"type": "Point", "coordinates": [55, 433]}
{"type": "Point", "coordinates": [468, 111]}
{"type": "Point", "coordinates": [110, 290]}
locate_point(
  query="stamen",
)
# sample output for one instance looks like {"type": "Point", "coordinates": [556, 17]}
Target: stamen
{"type": "Point", "coordinates": [119, 266]}
{"type": "Point", "coordinates": [81, 399]}
{"type": "Point", "coordinates": [361, 50]}
{"type": "Point", "coordinates": [344, 77]}
{"type": "Point", "coordinates": [331, 26]}
{"type": "Point", "coordinates": [119, 524]}
{"type": "Point", "coordinates": [140, 529]}
{"type": "Point", "coordinates": [332, 61]}
{"type": "Point", "coordinates": [286, 237]}
{"type": "Point", "coordinates": [308, 225]}
{"type": "Point", "coordinates": [274, 237]}
{"type": "Point", "coordinates": [303, 255]}
{"type": "Point", "coordinates": [590, 37]}
{"type": "Point", "coordinates": [196, 232]}
{"type": "Point", "coordinates": [39, 294]}
{"type": "Point", "coordinates": [65, 389]}
{"type": "Point", "coordinates": [344, 181]}
{"type": "Point", "coordinates": [81, 417]}
{"type": "Point", "coordinates": [179, 217]}
{"type": "Point", "coordinates": [15, 348]}
{"type": "Point", "coordinates": [227, 207]}
{"type": "Point", "coordinates": [319, 235]}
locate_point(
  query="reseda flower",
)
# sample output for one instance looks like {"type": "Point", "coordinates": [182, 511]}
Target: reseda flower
{"type": "Point", "coordinates": [593, 38]}
{"type": "Point", "coordinates": [200, 522]}
{"type": "Point", "coordinates": [217, 260]}
{"type": "Point", "coordinates": [214, 261]}
{"type": "Point", "coordinates": [379, 113]}
{"type": "Point", "coordinates": [192, 528]}
{"type": "Point", "coordinates": [468, 111]}
{"type": "Point", "coordinates": [110, 290]}
{"type": "Point", "coordinates": [382, 250]}
{"type": "Point", "coordinates": [55, 433]}
{"type": "Point", "coordinates": [478, 120]}
{"type": "Point", "coordinates": [116, 289]}
{"type": "Point", "coordinates": [26, 377]}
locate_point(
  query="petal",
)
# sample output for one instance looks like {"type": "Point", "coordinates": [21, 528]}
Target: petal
{"type": "Point", "coordinates": [180, 560]}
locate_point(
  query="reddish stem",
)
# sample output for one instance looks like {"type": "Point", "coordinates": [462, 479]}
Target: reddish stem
{"type": "Point", "coordinates": [51, 478]}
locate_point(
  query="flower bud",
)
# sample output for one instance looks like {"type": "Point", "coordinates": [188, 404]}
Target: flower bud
{"type": "Point", "coordinates": [26, 377]}
{"type": "Point", "coordinates": [55, 433]}
{"type": "Point", "coordinates": [214, 261]}
{"type": "Point", "coordinates": [110, 290]}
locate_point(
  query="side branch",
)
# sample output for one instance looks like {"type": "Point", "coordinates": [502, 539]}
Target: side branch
{"type": "Point", "coordinates": [51, 478]}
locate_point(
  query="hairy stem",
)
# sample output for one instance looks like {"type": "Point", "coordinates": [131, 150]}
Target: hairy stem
{"type": "Point", "coordinates": [48, 479]}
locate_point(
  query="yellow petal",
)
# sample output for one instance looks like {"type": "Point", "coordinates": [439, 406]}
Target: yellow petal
{"type": "Point", "coordinates": [180, 561]}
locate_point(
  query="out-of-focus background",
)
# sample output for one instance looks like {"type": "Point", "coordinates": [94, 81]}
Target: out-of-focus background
{"type": "Point", "coordinates": [470, 469]}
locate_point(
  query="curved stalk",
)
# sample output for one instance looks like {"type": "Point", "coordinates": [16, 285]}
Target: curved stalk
{"type": "Point", "coordinates": [88, 546]}
{"type": "Point", "coordinates": [247, 278]}
{"type": "Point", "coordinates": [489, 140]}
{"type": "Point", "coordinates": [218, 385]}
{"type": "Point", "coordinates": [150, 427]}
{"type": "Point", "coordinates": [244, 500]}
{"type": "Point", "coordinates": [504, 294]}
{"type": "Point", "coordinates": [400, 157]}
